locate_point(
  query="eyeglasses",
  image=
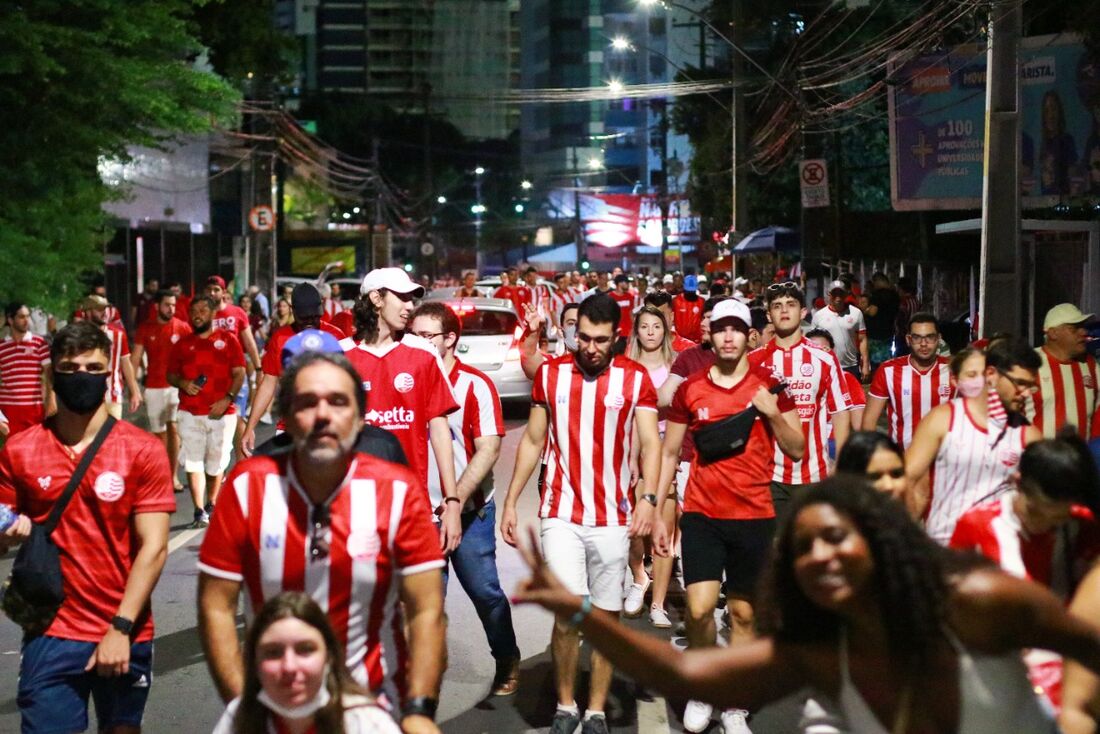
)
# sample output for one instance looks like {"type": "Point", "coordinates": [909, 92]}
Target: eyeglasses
{"type": "Point", "coordinates": [1024, 385]}
{"type": "Point", "coordinates": [429, 335]}
{"type": "Point", "coordinates": [785, 286]}
{"type": "Point", "coordinates": [930, 338]}
{"type": "Point", "coordinates": [318, 540]}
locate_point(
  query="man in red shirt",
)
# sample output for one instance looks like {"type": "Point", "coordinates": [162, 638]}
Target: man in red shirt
{"type": "Point", "coordinates": [729, 519]}
{"type": "Point", "coordinates": [305, 301]}
{"type": "Point", "coordinates": [155, 339]}
{"type": "Point", "coordinates": [96, 310]}
{"type": "Point", "coordinates": [351, 530]}
{"type": "Point", "coordinates": [112, 538]}
{"type": "Point", "coordinates": [208, 368]}
{"type": "Point", "coordinates": [585, 407]}
{"type": "Point", "coordinates": [24, 374]}
{"type": "Point", "coordinates": [687, 310]}
{"type": "Point", "coordinates": [183, 301]}
{"type": "Point", "coordinates": [627, 302]}
{"type": "Point", "coordinates": [232, 318]}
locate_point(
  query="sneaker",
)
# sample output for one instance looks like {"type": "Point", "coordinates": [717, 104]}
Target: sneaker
{"type": "Point", "coordinates": [735, 721]}
{"type": "Point", "coordinates": [697, 716]}
{"type": "Point", "coordinates": [208, 510]}
{"type": "Point", "coordinates": [564, 722]}
{"type": "Point", "coordinates": [595, 725]}
{"type": "Point", "coordinates": [635, 599]}
{"type": "Point", "coordinates": [202, 520]}
{"type": "Point", "coordinates": [506, 680]}
{"type": "Point", "coordinates": [659, 618]}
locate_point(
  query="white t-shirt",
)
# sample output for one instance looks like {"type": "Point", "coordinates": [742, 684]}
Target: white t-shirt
{"type": "Point", "coordinates": [845, 329]}
{"type": "Point", "coordinates": [361, 716]}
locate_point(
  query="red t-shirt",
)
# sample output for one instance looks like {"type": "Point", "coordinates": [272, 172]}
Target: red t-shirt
{"type": "Point", "coordinates": [735, 488]}
{"type": "Point", "coordinates": [183, 308]}
{"type": "Point", "coordinates": [215, 356]}
{"type": "Point", "coordinates": [687, 363]}
{"type": "Point", "coordinates": [380, 530]}
{"type": "Point", "coordinates": [157, 339]}
{"type": "Point", "coordinates": [680, 344]}
{"type": "Point", "coordinates": [626, 303]}
{"type": "Point", "coordinates": [129, 475]}
{"type": "Point", "coordinates": [232, 319]}
{"type": "Point", "coordinates": [688, 317]}
{"type": "Point", "coordinates": [345, 322]}
{"type": "Point", "coordinates": [272, 361]}
{"type": "Point", "coordinates": [406, 387]}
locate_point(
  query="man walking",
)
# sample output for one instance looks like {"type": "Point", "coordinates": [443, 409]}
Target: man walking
{"type": "Point", "coordinates": [95, 309]}
{"type": "Point", "coordinates": [155, 339]}
{"type": "Point", "coordinates": [585, 406]}
{"type": "Point", "coordinates": [845, 323]}
{"type": "Point", "coordinates": [208, 368]}
{"type": "Point", "coordinates": [24, 373]}
{"type": "Point", "coordinates": [477, 428]}
{"type": "Point", "coordinates": [1069, 382]}
{"type": "Point", "coordinates": [112, 538]}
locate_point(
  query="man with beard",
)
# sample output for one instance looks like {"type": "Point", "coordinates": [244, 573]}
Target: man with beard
{"type": "Point", "coordinates": [305, 301]}
{"type": "Point", "coordinates": [95, 309]}
{"type": "Point", "coordinates": [352, 530]}
{"type": "Point", "coordinates": [585, 406]}
{"type": "Point", "coordinates": [910, 386]}
{"type": "Point", "coordinates": [208, 368]}
{"type": "Point", "coordinates": [112, 538]}
{"type": "Point", "coordinates": [729, 518]}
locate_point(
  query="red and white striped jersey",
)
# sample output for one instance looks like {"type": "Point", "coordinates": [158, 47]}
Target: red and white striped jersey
{"type": "Point", "coordinates": [590, 424]}
{"type": "Point", "coordinates": [120, 349]}
{"type": "Point", "coordinates": [330, 307]}
{"type": "Point", "coordinates": [1068, 394]}
{"type": "Point", "coordinates": [576, 292]}
{"type": "Point", "coordinates": [479, 414]}
{"type": "Point", "coordinates": [816, 383]}
{"type": "Point", "coordinates": [910, 393]}
{"type": "Point", "coordinates": [380, 528]}
{"type": "Point", "coordinates": [557, 301]}
{"type": "Point", "coordinates": [21, 364]}
{"type": "Point", "coordinates": [974, 464]}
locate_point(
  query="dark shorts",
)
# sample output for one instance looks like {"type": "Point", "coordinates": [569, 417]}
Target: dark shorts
{"type": "Point", "coordinates": [54, 688]}
{"type": "Point", "coordinates": [781, 499]}
{"type": "Point", "coordinates": [738, 547]}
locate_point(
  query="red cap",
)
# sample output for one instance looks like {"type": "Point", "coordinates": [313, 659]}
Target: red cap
{"type": "Point", "coordinates": [216, 280]}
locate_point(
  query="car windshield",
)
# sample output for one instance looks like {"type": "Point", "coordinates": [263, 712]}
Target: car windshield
{"type": "Point", "coordinates": [487, 323]}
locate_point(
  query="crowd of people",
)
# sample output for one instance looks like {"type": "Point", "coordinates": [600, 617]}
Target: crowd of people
{"type": "Point", "coordinates": [825, 473]}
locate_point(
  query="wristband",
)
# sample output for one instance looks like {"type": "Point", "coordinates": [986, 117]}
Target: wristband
{"type": "Point", "coordinates": [420, 706]}
{"type": "Point", "coordinates": [582, 613]}
{"type": "Point", "coordinates": [452, 499]}
{"type": "Point", "coordinates": [650, 498]}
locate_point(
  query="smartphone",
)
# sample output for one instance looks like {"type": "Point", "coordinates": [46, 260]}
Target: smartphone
{"type": "Point", "coordinates": [199, 381]}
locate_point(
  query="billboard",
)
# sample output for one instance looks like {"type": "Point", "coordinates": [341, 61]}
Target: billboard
{"type": "Point", "coordinates": [614, 220]}
{"type": "Point", "coordinates": [937, 125]}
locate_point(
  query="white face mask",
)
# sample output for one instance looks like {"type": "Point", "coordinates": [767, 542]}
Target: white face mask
{"type": "Point", "coordinates": [971, 387]}
{"type": "Point", "coordinates": [305, 710]}
{"type": "Point", "coordinates": [569, 334]}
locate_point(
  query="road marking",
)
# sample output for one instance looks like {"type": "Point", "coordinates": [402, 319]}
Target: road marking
{"type": "Point", "coordinates": [180, 540]}
{"type": "Point", "coordinates": [653, 716]}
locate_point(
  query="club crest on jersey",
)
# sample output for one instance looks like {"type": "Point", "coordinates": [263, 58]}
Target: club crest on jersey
{"type": "Point", "coordinates": [44, 482]}
{"type": "Point", "coordinates": [219, 344]}
{"type": "Point", "coordinates": [174, 338]}
{"type": "Point", "coordinates": [1010, 458]}
{"type": "Point", "coordinates": [404, 382]}
{"type": "Point", "coordinates": [806, 369]}
{"type": "Point", "coordinates": [614, 402]}
{"type": "Point", "coordinates": [364, 545]}
{"type": "Point", "coordinates": [945, 391]}
{"type": "Point", "coordinates": [109, 486]}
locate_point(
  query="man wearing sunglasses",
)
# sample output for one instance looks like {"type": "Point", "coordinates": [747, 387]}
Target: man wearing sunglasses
{"type": "Point", "coordinates": [353, 531]}
{"type": "Point", "coordinates": [973, 444]}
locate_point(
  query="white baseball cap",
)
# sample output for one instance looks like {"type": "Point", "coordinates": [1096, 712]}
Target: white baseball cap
{"type": "Point", "coordinates": [391, 279]}
{"type": "Point", "coordinates": [1065, 313]}
{"type": "Point", "coordinates": [730, 308]}
{"type": "Point", "coordinates": [837, 285]}
{"type": "Point", "coordinates": [667, 278]}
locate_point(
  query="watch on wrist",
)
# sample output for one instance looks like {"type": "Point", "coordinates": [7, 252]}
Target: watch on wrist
{"type": "Point", "coordinates": [123, 625]}
{"type": "Point", "coordinates": [420, 706]}
{"type": "Point", "coordinates": [650, 498]}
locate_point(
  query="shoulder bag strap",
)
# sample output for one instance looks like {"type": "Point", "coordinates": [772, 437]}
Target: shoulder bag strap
{"type": "Point", "coordinates": [78, 475]}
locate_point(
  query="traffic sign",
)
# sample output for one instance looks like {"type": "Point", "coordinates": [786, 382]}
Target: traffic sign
{"type": "Point", "coordinates": [813, 176]}
{"type": "Point", "coordinates": [261, 218]}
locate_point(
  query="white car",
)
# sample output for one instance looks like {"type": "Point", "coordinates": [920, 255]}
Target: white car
{"type": "Point", "coordinates": [490, 341]}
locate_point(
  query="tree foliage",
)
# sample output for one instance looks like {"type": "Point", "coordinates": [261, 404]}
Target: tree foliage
{"type": "Point", "coordinates": [80, 80]}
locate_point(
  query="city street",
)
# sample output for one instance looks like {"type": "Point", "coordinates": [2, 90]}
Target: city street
{"type": "Point", "coordinates": [183, 698]}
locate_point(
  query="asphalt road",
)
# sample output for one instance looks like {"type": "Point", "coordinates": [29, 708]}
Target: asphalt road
{"type": "Point", "coordinates": [183, 699]}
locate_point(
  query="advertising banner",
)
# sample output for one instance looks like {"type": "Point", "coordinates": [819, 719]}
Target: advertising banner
{"type": "Point", "coordinates": [614, 220]}
{"type": "Point", "coordinates": [937, 125]}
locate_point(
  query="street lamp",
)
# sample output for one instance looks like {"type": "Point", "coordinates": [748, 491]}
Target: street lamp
{"type": "Point", "coordinates": [595, 163]}
{"type": "Point", "coordinates": [615, 86]}
{"type": "Point", "coordinates": [441, 199]}
{"type": "Point", "coordinates": [620, 43]}
{"type": "Point", "coordinates": [479, 170]}
{"type": "Point", "coordinates": [526, 185]}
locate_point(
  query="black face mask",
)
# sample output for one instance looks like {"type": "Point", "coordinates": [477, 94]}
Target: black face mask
{"type": "Point", "coordinates": [80, 392]}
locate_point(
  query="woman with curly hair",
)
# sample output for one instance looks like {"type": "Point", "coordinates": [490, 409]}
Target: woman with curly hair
{"type": "Point", "coordinates": [295, 679]}
{"type": "Point", "coordinates": [861, 605]}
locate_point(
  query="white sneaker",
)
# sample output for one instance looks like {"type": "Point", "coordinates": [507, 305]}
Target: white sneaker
{"type": "Point", "coordinates": [697, 716]}
{"type": "Point", "coordinates": [735, 721]}
{"type": "Point", "coordinates": [635, 598]}
{"type": "Point", "coordinates": [659, 618]}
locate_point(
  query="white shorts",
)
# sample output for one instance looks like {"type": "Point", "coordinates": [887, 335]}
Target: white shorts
{"type": "Point", "coordinates": [589, 561]}
{"type": "Point", "coordinates": [162, 404]}
{"type": "Point", "coordinates": [206, 445]}
{"type": "Point", "coordinates": [682, 473]}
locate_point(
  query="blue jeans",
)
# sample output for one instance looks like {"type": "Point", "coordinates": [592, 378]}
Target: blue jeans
{"type": "Point", "coordinates": [475, 565]}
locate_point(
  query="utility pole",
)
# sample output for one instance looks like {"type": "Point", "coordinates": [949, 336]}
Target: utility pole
{"type": "Point", "coordinates": [1000, 307]}
{"type": "Point", "coordinates": [739, 200]}
{"type": "Point", "coordinates": [578, 225]}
